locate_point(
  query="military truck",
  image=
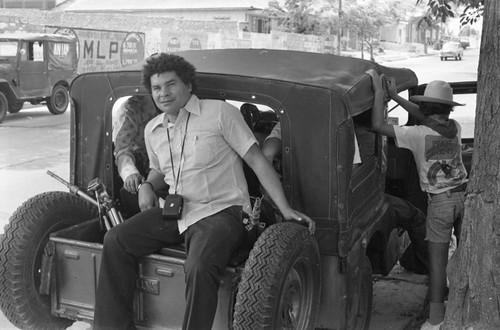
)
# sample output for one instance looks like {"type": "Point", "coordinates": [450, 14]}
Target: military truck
{"type": "Point", "coordinates": [288, 279]}
{"type": "Point", "coordinates": [36, 68]}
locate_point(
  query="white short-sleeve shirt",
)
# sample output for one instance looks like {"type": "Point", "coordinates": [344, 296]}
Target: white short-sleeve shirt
{"type": "Point", "coordinates": [211, 177]}
{"type": "Point", "coordinates": [438, 159]}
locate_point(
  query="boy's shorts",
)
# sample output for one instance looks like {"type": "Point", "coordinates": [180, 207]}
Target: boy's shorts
{"type": "Point", "coordinates": [445, 212]}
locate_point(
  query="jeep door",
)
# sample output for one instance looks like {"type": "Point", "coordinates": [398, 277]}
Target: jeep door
{"type": "Point", "coordinates": [8, 61]}
{"type": "Point", "coordinates": [33, 75]}
{"type": "Point", "coordinates": [62, 61]}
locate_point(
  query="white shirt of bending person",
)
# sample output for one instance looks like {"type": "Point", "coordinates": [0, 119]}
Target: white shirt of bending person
{"type": "Point", "coordinates": [276, 134]}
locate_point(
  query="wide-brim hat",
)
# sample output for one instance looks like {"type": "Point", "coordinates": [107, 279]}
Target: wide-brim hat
{"type": "Point", "coordinates": [437, 91]}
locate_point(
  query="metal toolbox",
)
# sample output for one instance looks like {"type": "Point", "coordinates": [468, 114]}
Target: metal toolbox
{"type": "Point", "coordinates": [75, 256]}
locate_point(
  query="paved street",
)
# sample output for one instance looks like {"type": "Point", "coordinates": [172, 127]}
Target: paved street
{"type": "Point", "coordinates": [31, 142]}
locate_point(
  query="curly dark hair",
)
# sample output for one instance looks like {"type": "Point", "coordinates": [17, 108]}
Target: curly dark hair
{"type": "Point", "coordinates": [432, 108]}
{"type": "Point", "coordinates": [163, 62]}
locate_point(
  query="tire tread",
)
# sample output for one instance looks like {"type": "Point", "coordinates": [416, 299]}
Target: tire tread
{"type": "Point", "coordinates": [17, 295]}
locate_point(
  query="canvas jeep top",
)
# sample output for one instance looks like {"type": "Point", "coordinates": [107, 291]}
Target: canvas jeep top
{"type": "Point", "coordinates": [35, 68]}
{"type": "Point", "coordinates": [50, 251]}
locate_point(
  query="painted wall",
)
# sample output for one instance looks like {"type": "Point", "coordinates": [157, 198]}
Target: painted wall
{"type": "Point", "coordinates": [207, 15]}
{"type": "Point", "coordinates": [103, 43]}
{"type": "Point", "coordinates": [104, 50]}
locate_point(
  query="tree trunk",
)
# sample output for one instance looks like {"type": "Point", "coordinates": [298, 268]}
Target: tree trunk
{"type": "Point", "coordinates": [426, 41]}
{"type": "Point", "coordinates": [362, 46]}
{"type": "Point", "coordinates": [474, 271]}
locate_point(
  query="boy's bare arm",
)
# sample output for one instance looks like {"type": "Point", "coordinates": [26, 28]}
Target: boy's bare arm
{"type": "Point", "coordinates": [378, 113]}
{"type": "Point", "coordinates": [272, 146]}
{"type": "Point", "coordinates": [412, 108]}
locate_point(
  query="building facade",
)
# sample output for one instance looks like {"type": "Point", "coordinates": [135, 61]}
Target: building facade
{"type": "Point", "coordinates": [28, 4]}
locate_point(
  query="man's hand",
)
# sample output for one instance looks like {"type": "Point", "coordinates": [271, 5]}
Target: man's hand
{"type": "Point", "coordinates": [302, 218]}
{"type": "Point", "coordinates": [271, 183]}
{"type": "Point", "coordinates": [132, 181]}
{"type": "Point", "coordinates": [147, 197]}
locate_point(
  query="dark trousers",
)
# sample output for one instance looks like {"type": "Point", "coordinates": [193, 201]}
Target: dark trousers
{"type": "Point", "coordinates": [412, 219]}
{"type": "Point", "coordinates": [209, 245]}
{"type": "Point", "coordinates": [130, 203]}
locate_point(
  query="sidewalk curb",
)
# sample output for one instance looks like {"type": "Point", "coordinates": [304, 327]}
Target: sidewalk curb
{"type": "Point", "coordinates": [390, 56]}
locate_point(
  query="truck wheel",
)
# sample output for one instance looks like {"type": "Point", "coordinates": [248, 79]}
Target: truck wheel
{"type": "Point", "coordinates": [359, 306]}
{"type": "Point", "coordinates": [15, 107]}
{"type": "Point", "coordinates": [4, 105]}
{"type": "Point", "coordinates": [21, 249]}
{"type": "Point", "coordinates": [280, 285]}
{"type": "Point", "coordinates": [59, 100]}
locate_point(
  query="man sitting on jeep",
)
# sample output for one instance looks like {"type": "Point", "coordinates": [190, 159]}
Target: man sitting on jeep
{"type": "Point", "coordinates": [195, 147]}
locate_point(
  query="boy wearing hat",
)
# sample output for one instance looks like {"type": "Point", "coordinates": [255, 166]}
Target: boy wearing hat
{"type": "Point", "coordinates": [436, 147]}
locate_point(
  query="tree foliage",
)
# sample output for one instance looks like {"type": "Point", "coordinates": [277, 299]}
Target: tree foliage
{"type": "Point", "coordinates": [297, 16]}
{"type": "Point", "coordinates": [366, 17]}
{"type": "Point", "coordinates": [441, 9]}
{"type": "Point", "coordinates": [321, 17]}
{"type": "Point", "coordinates": [472, 13]}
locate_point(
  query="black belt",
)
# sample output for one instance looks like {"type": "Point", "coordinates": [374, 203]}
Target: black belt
{"type": "Point", "coordinates": [460, 188]}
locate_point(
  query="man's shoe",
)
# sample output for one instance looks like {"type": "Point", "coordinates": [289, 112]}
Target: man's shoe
{"type": "Point", "coordinates": [428, 326]}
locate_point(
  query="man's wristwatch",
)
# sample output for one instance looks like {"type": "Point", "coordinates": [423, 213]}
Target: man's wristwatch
{"type": "Point", "coordinates": [143, 183]}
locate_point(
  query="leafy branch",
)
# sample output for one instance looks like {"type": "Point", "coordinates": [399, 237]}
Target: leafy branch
{"type": "Point", "coordinates": [441, 9]}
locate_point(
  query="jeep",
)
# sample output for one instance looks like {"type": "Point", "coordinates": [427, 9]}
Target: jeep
{"type": "Point", "coordinates": [36, 68]}
{"type": "Point", "coordinates": [288, 279]}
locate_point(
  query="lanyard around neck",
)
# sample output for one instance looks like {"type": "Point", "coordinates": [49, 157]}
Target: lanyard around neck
{"type": "Point", "coordinates": [177, 177]}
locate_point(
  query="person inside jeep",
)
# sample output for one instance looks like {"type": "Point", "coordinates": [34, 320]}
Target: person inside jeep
{"type": "Point", "coordinates": [131, 158]}
{"type": "Point", "coordinates": [196, 147]}
{"type": "Point", "coordinates": [407, 216]}
{"type": "Point", "coordinates": [272, 145]}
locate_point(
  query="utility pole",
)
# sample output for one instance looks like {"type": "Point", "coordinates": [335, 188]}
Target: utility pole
{"type": "Point", "coordinates": [339, 36]}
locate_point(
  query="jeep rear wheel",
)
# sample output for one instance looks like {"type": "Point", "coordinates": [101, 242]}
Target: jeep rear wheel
{"type": "Point", "coordinates": [15, 107]}
{"type": "Point", "coordinates": [280, 285]}
{"type": "Point", "coordinates": [4, 106]}
{"type": "Point", "coordinates": [21, 250]}
{"type": "Point", "coordinates": [59, 100]}
{"type": "Point", "coordinates": [359, 306]}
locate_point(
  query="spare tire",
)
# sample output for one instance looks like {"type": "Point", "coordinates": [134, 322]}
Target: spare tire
{"type": "Point", "coordinates": [360, 298]}
{"type": "Point", "coordinates": [280, 285]}
{"type": "Point", "coordinates": [21, 249]}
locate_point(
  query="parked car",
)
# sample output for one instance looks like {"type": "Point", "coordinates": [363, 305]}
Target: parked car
{"type": "Point", "coordinates": [36, 68]}
{"type": "Point", "coordinates": [452, 49]}
{"type": "Point", "coordinates": [51, 249]}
